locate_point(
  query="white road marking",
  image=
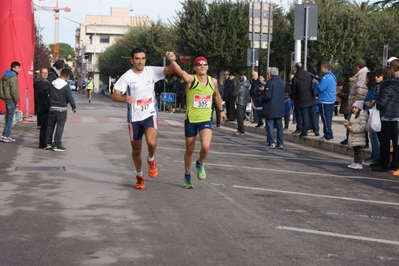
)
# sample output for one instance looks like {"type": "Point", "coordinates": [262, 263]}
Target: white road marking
{"type": "Point", "coordinates": [287, 210]}
{"type": "Point", "coordinates": [319, 195]}
{"type": "Point", "coordinates": [283, 171]}
{"type": "Point", "coordinates": [360, 215]}
{"type": "Point", "coordinates": [301, 230]}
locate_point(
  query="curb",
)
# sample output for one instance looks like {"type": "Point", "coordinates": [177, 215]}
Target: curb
{"type": "Point", "coordinates": [309, 141]}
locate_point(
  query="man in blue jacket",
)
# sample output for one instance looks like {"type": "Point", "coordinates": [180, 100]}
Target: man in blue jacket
{"type": "Point", "coordinates": [273, 107]}
{"type": "Point", "coordinates": [326, 98]}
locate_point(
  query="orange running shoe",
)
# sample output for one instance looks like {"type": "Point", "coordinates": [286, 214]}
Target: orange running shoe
{"type": "Point", "coordinates": [152, 169]}
{"type": "Point", "coordinates": [140, 182]}
{"type": "Point", "coordinates": [396, 173]}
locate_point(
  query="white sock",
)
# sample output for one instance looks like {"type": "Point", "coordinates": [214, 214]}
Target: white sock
{"type": "Point", "coordinates": [140, 174]}
{"type": "Point", "coordinates": [149, 159]}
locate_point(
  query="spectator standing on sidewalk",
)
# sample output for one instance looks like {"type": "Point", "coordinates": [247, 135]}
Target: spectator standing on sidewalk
{"type": "Point", "coordinates": [273, 100]}
{"type": "Point", "coordinates": [42, 90]}
{"type": "Point", "coordinates": [254, 84]}
{"type": "Point", "coordinates": [258, 104]}
{"type": "Point", "coordinates": [242, 97]}
{"type": "Point", "coordinates": [326, 99]}
{"type": "Point", "coordinates": [387, 102]}
{"type": "Point", "coordinates": [302, 93]}
{"type": "Point", "coordinates": [288, 107]}
{"type": "Point", "coordinates": [343, 94]}
{"type": "Point", "coordinates": [60, 95]}
{"type": "Point", "coordinates": [357, 126]}
{"type": "Point", "coordinates": [9, 93]}
{"type": "Point", "coordinates": [225, 88]}
{"type": "Point", "coordinates": [369, 102]}
{"type": "Point", "coordinates": [359, 90]}
{"type": "Point", "coordinates": [139, 85]}
{"type": "Point", "coordinates": [231, 104]}
{"type": "Point", "coordinates": [297, 111]}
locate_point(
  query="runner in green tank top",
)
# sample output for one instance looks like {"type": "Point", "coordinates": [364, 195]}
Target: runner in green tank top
{"type": "Point", "coordinates": [201, 89]}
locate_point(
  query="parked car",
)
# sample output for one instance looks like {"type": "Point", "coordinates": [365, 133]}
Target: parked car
{"type": "Point", "coordinates": [72, 85]}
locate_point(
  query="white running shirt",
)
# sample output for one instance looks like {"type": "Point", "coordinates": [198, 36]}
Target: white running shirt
{"type": "Point", "coordinates": [141, 87]}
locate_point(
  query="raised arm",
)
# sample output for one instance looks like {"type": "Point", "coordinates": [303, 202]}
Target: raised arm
{"type": "Point", "coordinates": [177, 69]}
{"type": "Point", "coordinates": [169, 69]}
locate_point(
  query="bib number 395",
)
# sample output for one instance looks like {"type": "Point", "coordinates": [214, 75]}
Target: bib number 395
{"type": "Point", "coordinates": [202, 101]}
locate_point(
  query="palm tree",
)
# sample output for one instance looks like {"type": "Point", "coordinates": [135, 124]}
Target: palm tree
{"type": "Point", "coordinates": [388, 3]}
{"type": "Point", "coordinates": [366, 8]}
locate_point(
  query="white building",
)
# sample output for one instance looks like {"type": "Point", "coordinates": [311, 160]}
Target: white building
{"type": "Point", "coordinates": [95, 35]}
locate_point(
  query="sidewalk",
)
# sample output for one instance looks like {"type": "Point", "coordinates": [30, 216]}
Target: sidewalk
{"type": "Point", "coordinates": [311, 140]}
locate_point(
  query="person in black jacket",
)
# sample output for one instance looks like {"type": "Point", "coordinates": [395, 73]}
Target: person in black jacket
{"type": "Point", "coordinates": [230, 100]}
{"type": "Point", "coordinates": [241, 94]}
{"type": "Point", "coordinates": [60, 96]}
{"type": "Point", "coordinates": [55, 70]}
{"type": "Point", "coordinates": [42, 102]}
{"type": "Point", "coordinates": [254, 84]}
{"type": "Point", "coordinates": [388, 103]}
{"type": "Point", "coordinates": [305, 101]}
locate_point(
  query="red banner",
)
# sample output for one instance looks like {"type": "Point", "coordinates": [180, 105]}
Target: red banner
{"type": "Point", "coordinates": [17, 41]}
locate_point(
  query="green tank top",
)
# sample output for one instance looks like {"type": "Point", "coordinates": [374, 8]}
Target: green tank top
{"type": "Point", "coordinates": [199, 101]}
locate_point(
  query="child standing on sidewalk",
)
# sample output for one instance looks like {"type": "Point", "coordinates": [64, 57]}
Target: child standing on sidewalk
{"type": "Point", "coordinates": [288, 107]}
{"type": "Point", "coordinates": [357, 127]}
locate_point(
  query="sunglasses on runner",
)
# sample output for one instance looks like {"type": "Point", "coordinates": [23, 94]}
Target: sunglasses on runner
{"type": "Point", "coordinates": [201, 64]}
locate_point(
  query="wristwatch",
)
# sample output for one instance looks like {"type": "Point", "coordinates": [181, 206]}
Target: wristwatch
{"type": "Point", "coordinates": [221, 110]}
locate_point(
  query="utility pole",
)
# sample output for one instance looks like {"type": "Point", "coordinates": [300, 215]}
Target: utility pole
{"type": "Point", "coordinates": [298, 44]}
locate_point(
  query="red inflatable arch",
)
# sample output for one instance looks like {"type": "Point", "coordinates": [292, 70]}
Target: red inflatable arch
{"type": "Point", "coordinates": [17, 42]}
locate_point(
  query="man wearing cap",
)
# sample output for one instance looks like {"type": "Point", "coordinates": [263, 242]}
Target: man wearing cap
{"type": "Point", "coordinates": [138, 83]}
{"type": "Point", "coordinates": [390, 60]}
{"type": "Point", "coordinates": [201, 90]}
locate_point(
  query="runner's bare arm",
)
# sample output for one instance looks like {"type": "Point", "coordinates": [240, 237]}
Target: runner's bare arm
{"type": "Point", "coordinates": [117, 97]}
{"type": "Point", "coordinates": [218, 99]}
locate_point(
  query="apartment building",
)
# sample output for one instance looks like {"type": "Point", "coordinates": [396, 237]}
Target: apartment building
{"type": "Point", "coordinates": [94, 36]}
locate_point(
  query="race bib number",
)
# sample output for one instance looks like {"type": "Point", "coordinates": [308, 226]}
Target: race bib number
{"type": "Point", "coordinates": [143, 104]}
{"type": "Point", "coordinates": [202, 101]}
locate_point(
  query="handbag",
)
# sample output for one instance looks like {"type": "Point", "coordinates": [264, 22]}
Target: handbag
{"type": "Point", "coordinates": [374, 121]}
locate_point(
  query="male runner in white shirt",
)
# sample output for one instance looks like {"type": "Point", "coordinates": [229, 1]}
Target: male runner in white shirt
{"type": "Point", "coordinates": [138, 84]}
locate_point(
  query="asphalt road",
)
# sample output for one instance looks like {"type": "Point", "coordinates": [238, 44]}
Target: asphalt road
{"type": "Point", "coordinates": [296, 206]}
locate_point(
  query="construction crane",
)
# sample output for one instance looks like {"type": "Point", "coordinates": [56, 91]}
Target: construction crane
{"type": "Point", "coordinates": [56, 10]}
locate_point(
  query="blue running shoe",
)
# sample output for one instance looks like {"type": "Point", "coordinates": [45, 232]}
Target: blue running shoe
{"type": "Point", "coordinates": [187, 181]}
{"type": "Point", "coordinates": [200, 171]}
